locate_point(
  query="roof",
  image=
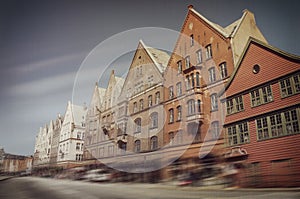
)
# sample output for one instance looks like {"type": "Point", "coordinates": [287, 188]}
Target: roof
{"type": "Point", "coordinates": [273, 49]}
{"type": "Point", "coordinates": [78, 113]}
{"type": "Point", "coordinates": [159, 57]}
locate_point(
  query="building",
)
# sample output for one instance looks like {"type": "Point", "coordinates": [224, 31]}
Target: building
{"type": "Point", "coordinates": [43, 146]}
{"type": "Point", "coordinates": [202, 61]}
{"type": "Point", "coordinates": [71, 139]}
{"type": "Point", "coordinates": [56, 128]}
{"type": "Point", "coordinates": [17, 164]}
{"type": "Point", "coordinates": [262, 126]}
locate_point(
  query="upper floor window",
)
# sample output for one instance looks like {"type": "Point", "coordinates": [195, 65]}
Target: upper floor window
{"type": "Point", "coordinates": [197, 79]}
{"type": "Point", "coordinates": [261, 96]}
{"type": "Point", "coordinates": [153, 143]}
{"type": "Point", "coordinates": [179, 113]}
{"type": "Point", "coordinates": [179, 66]}
{"type": "Point", "coordinates": [212, 75]}
{"type": "Point", "coordinates": [215, 130]}
{"type": "Point", "coordinates": [214, 102]}
{"type": "Point", "coordinates": [290, 86]}
{"type": "Point", "coordinates": [234, 105]}
{"type": "Point", "coordinates": [171, 115]}
{"type": "Point", "coordinates": [188, 82]}
{"type": "Point", "coordinates": [171, 92]}
{"type": "Point", "coordinates": [138, 124]}
{"type": "Point", "coordinates": [187, 62]}
{"type": "Point", "coordinates": [192, 39]}
{"type": "Point", "coordinates": [135, 109]}
{"type": "Point", "coordinates": [137, 146]}
{"type": "Point", "coordinates": [171, 138]}
{"type": "Point", "coordinates": [179, 88]}
{"type": "Point", "coordinates": [208, 51]}
{"type": "Point", "coordinates": [191, 107]}
{"type": "Point", "coordinates": [149, 100]}
{"type": "Point", "coordinates": [199, 56]}
{"type": "Point", "coordinates": [154, 120]}
{"type": "Point", "coordinates": [141, 104]}
{"type": "Point", "coordinates": [157, 97]}
{"type": "Point", "coordinates": [223, 70]}
{"type": "Point", "coordinates": [199, 106]}
{"type": "Point", "coordinates": [238, 134]}
{"type": "Point", "coordinates": [192, 80]}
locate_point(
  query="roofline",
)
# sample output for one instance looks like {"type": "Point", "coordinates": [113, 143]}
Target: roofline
{"type": "Point", "coordinates": [250, 41]}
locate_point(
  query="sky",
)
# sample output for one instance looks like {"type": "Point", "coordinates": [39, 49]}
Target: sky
{"type": "Point", "coordinates": [43, 45]}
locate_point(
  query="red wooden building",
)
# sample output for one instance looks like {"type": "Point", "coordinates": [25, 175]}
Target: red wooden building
{"type": "Point", "coordinates": [262, 130]}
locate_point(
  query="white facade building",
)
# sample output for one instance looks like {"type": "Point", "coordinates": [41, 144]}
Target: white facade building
{"type": "Point", "coordinates": [71, 139]}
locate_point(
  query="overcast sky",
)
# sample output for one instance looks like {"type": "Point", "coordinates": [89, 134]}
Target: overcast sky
{"type": "Point", "coordinates": [43, 44]}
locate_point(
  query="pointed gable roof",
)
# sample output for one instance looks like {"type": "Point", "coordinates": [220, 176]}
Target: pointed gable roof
{"type": "Point", "coordinates": [268, 65]}
{"type": "Point", "coordinates": [160, 58]}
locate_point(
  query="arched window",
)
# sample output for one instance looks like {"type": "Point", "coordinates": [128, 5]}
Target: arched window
{"type": "Point", "coordinates": [138, 124]}
{"type": "Point", "coordinates": [137, 146]}
{"type": "Point", "coordinates": [154, 120]}
{"type": "Point", "coordinates": [149, 100]}
{"type": "Point", "coordinates": [215, 130]}
{"type": "Point", "coordinates": [141, 104]}
{"type": "Point", "coordinates": [191, 107]}
{"type": "Point", "coordinates": [135, 107]}
{"type": "Point", "coordinates": [157, 97]}
{"type": "Point", "coordinates": [192, 80]}
{"type": "Point", "coordinates": [153, 143]}
{"type": "Point", "coordinates": [171, 138]}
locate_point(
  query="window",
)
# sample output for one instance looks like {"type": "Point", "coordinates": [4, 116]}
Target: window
{"type": "Point", "coordinates": [171, 115]}
{"type": "Point", "coordinates": [188, 82]}
{"type": "Point", "coordinates": [215, 130]}
{"type": "Point", "coordinates": [192, 80]}
{"type": "Point", "coordinates": [234, 105]}
{"type": "Point", "coordinates": [192, 39]}
{"type": "Point", "coordinates": [153, 143]}
{"type": "Point", "coordinates": [138, 123]}
{"type": "Point", "coordinates": [278, 124]}
{"type": "Point", "coordinates": [199, 106]}
{"type": "Point", "coordinates": [157, 97]}
{"type": "Point", "coordinates": [141, 104]}
{"type": "Point", "coordinates": [171, 92]}
{"type": "Point", "coordinates": [208, 51]}
{"type": "Point", "coordinates": [223, 70]}
{"type": "Point", "coordinates": [171, 138]}
{"type": "Point", "coordinates": [214, 102]}
{"type": "Point", "coordinates": [179, 113]}
{"type": "Point", "coordinates": [199, 56]}
{"type": "Point", "coordinates": [179, 89]}
{"type": "Point", "coordinates": [191, 107]}
{"type": "Point", "coordinates": [78, 135]}
{"type": "Point", "coordinates": [154, 120]}
{"type": "Point", "coordinates": [187, 62]}
{"type": "Point", "coordinates": [261, 96]}
{"type": "Point", "coordinates": [137, 146]}
{"type": "Point", "coordinates": [290, 86]}
{"type": "Point", "coordinates": [197, 79]}
{"type": "Point", "coordinates": [149, 100]}
{"type": "Point", "coordinates": [212, 75]}
{"type": "Point", "coordinates": [238, 134]}
{"type": "Point", "coordinates": [179, 66]}
{"type": "Point", "coordinates": [135, 107]}
{"type": "Point", "coordinates": [77, 146]}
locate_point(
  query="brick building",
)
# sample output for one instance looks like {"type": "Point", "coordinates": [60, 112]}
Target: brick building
{"type": "Point", "coordinates": [202, 61]}
{"type": "Point", "coordinates": [262, 117]}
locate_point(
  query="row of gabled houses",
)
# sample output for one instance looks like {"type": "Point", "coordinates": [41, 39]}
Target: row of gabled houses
{"type": "Point", "coordinates": [224, 104]}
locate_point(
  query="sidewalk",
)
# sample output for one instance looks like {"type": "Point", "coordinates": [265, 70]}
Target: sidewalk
{"type": "Point", "coordinates": [2, 178]}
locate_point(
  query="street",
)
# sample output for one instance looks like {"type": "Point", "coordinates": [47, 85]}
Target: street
{"type": "Point", "coordinates": [35, 188]}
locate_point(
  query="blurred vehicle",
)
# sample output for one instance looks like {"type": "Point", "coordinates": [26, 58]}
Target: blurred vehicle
{"type": "Point", "coordinates": [97, 175]}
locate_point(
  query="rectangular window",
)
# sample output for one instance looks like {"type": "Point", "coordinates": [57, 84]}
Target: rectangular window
{"type": "Point", "coordinates": [187, 62]}
{"type": "Point", "coordinates": [179, 88]}
{"type": "Point", "coordinates": [223, 70]}
{"type": "Point", "coordinates": [290, 86]}
{"type": "Point", "coordinates": [149, 100]}
{"type": "Point", "coordinates": [234, 105]}
{"type": "Point", "coordinates": [179, 66]}
{"type": "Point", "coordinates": [199, 56]}
{"type": "Point", "coordinates": [171, 92]}
{"type": "Point", "coordinates": [135, 109]}
{"type": "Point", "coordinates": [212, 75]}
{"type": "Point", "coordinates": [238, 134]}
{"type": "Point", "coordinates": [157, 98]}
{"type": "Point", "coordinates": [208, 51]}
{"type": "Point", "coordinates": [192, 39]}
{"type": "Point", "coordinates": [278, 124]}
{"type": "Point", "coordinates": [171, 115]}
{"type": "Point", "coordinates": [261, 96]}
{"type": "Point", "coordinates": [214, 102]}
